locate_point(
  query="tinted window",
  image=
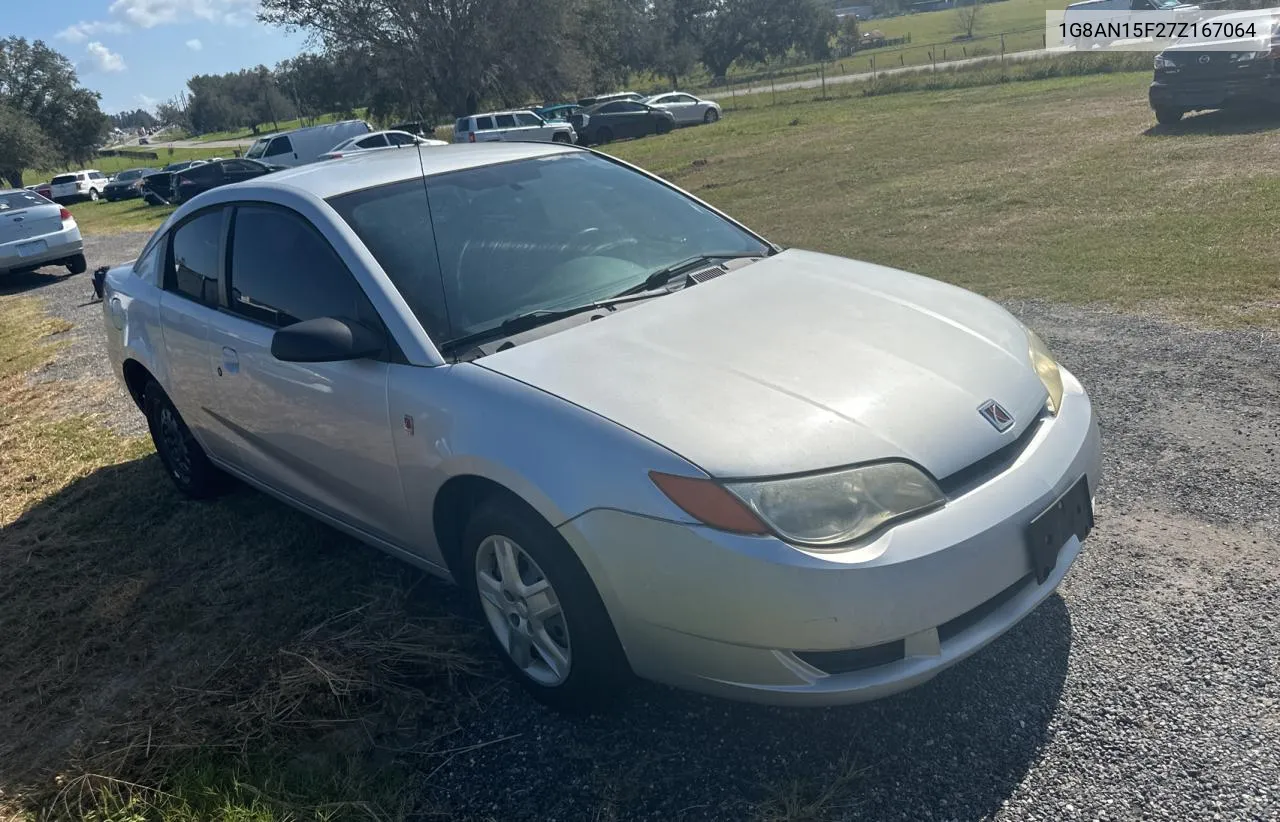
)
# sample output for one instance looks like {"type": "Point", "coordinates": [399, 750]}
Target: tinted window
{"type": "Point", "coordinates": [507, 244]}
{"type": "Point", "coordinates": [463, 124]}
{"type": "Point", "coordinates": [484, 123]}
{"type": "Point", "coordinates": [280, 145]}
{"type": "Point", "coordinates": [63, 178]}
{"type": "Point", "coordinates": [506, 120]}
{"type": "Point", "coordinates": [201, 174]}
{"type": "Point", "coordinates": [395, 225]}
{"type": "Point", "coordinates": [527, 119]}
{"type": "Point", "coordinates": [20, 199]}
{"type": "Point", "coordinates": [240, 166]}
{"type": "Point", "coordinates": [610, 108]}
{"type": "Point", "coordinates": [194, 268]}
{"type": "Point", "coordinates": [283, 271]}
{"type": "Point", "coordinates": [401, 139]}
{"type": "Point", "coordinates": [683, 98]}
{"type": "Point", "coordinates": [376, 141]}
{"type": "Point", "coordinates": [132, 174]}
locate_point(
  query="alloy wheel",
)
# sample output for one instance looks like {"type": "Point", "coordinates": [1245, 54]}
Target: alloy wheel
{"type": "Point", "coordinates": [175, 445]}
{"type": "Point", "coordinates": [523, 610]}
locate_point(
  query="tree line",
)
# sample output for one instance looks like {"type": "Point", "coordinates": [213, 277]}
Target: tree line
{"type": "Point", "coordinates": [46, 117]}
{"type": "Point", "coordinates": [426, 59]}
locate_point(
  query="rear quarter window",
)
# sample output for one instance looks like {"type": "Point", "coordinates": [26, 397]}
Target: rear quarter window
{"type": "Point", "coordinates": [484, 123]}
{"type": "Point", "coordinates": [463, 124]}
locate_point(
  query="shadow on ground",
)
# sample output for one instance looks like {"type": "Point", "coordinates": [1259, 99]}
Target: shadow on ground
{"type": "Point", "coordinates": [140, 628]}
{"type": "Point", "coordinates": [1220, 122]}
{"type": "Point", "coordinates": [18, 282]}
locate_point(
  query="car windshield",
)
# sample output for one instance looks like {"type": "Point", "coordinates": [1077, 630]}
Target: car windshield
{"type": "Point", "coordinates": [257, 149]}
{"type": "Point", "coordinates": [131, 174]}
{"type": "Point", "coordinates": [15, 200]}
{"type": "Point", "coordinates": [540, 234]}
{"type": "Point", "coordinates": [63, 178]}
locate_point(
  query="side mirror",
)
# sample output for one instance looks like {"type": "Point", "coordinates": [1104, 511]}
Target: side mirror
{"type": "Point", "coordinates": [326, 339]}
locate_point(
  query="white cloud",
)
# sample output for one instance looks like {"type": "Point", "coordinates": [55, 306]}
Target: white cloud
{"type": "Point", "coordinates": [83, 30]}
{"type": "Point", "coordinates": [194, 44]}
{"type": "Point", "coordinates": [148, 103]}
{"type": "Point", "coordinates": [150, 13]}
{"type": "Point", "coordinates": [104, 59]}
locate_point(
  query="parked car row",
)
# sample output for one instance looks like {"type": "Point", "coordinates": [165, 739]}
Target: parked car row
{"type": "Point", "coordinates": [591, 120]}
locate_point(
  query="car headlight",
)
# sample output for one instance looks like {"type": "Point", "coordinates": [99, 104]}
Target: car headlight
{"type": "Point", "coordinates": [1047, 369]}
{"type": "Point", "coordinates": [819, 510]}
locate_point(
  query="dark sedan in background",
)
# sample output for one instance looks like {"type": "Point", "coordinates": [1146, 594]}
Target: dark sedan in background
{"type": "Point", "coordinates": [623, 118]}
{"type": "Point", "coordinates": [181, 184]}
{"type": "Point", "coordinates": [126, 184]}
{"type": "Point", "coordinates": [202, 178]}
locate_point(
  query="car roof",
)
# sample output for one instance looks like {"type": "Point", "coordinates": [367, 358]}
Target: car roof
{"type": "Point", "coordinates": [496, 113]}
{"type": "Point", "coordinates": [374, 168]}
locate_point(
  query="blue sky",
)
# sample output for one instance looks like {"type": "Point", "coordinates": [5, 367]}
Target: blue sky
{"type": "Point", "coordinates": [137, 53]}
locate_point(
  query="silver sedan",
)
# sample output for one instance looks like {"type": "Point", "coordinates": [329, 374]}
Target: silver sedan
{"type": "Point", "coordinates": [645, 439]}
{"type": "Point", "coordinates": [35, 232]}
{"type": "Point", "coordinates": [687, 109]}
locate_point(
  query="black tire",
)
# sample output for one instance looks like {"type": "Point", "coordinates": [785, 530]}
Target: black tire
{"type": "Point", "coordinates": [560, 138]}
{"type": "Point", "coordinates": [598, 669]}
{"type": "Point", "coordinates": [604, 135]}
{"type": "Point", "coordinates": [182, 456]}
{"type": "Point", "coordinates": [93, 195]}
{"type": "Point", "coordinates": [711, 116]}
{"type": "Point", "coordinates": [663, 126]}
{"type": "Point", "coordinates": [78, 265]}
{"type": "Point", "coordinates": [1168, 116]}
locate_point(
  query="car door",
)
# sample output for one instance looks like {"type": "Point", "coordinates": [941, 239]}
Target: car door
{"type": "Point", "coordinates": [530, 126]}
{"type": "Point", "coordinates": [506, 127]}
{"type": "Point", "coordinates": [316, 432]}
{"type": "Point", "coordinates": [634, 119]}
{"type": "Point", "coordinates": [280, 152]}
{"type": "Point", "coordinates": [686, 109]}
{"type": "Point", "coordinates": [484, 132]}
{"type": "Point", "coordinates": [191, 272]}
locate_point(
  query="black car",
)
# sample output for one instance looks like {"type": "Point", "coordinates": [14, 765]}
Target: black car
{"type": "Point", "coordinates": [126, 184]}
{"type": "Point", "coordinates": [623, 118]}
{"type": "Point", "coordinates": [1187, 79]}
{"type": "Point", "coordinates": [199, 179]}
{"type": "Point", "coordinates": [157, 188]}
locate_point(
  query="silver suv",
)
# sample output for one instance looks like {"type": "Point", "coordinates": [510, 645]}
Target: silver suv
{"type": "Point", "coordinates": [511, 125]}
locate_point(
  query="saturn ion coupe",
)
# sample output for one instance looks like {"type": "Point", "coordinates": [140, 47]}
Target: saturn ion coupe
{"type": "Point", "coordinates": [645, 439]}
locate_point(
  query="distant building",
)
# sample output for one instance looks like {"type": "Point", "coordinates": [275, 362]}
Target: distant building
{"type": "Point", "coordinates": [860, 12]}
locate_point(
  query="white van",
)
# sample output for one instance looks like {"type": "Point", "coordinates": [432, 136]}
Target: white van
{"type": "Point", "coordinates": [304, 145]}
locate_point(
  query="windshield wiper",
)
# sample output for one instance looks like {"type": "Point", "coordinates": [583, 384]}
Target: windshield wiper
{"type": "Point", "coordinates": [532, 319]}
{"type": "Point", "coordinates": [660, 277]}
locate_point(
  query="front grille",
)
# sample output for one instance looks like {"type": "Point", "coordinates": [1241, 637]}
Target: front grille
{"type": "Point", "coordinates": [855, 659]}
{"type": "Point", "coordinates": [973, 616]}
{"type": "Point", "coordinates": [971, 475]}
{"type": "Point", "coordinates": [860, 659]}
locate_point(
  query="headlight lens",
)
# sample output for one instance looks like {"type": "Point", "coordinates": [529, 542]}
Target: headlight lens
{"type": "Point", "coordinates": [840, 506]}
{"type": "Point", "coordinates": [1047, 369]}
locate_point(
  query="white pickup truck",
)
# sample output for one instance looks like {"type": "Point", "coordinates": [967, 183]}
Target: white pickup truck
{"type": "Point", "coordinates": [520, 125]}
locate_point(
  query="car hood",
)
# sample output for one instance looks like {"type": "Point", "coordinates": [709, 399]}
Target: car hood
{"type": "Point", "coordinates": [800, 361]}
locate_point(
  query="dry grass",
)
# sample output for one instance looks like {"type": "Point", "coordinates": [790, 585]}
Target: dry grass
{"type": "Point", "coordinates": [169, 659]}
{"type": "Point", "coordinates": [813, 798]}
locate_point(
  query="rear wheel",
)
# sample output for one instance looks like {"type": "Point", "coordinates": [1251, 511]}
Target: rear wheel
{"type": "Point", "coordinates": [1168, 116]}
{"type": "Point", "coordinates": [184, 459]}
{"type": "Point", "coordinates": [561, 137]}
{"type": "Point", "coordinates": [93, 195]}
{"type": "Point", "coordinates": [77, 264]}
{"type": "Point", "coordinates": [543, 613]}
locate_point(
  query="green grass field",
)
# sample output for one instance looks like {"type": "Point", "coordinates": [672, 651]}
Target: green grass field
{"type": "Point", "coordinates": [931, 36]}
{"type": "Point", "coordinates": [1060, 189]}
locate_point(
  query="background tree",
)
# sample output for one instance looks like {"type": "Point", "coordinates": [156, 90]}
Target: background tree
{"type": "Point", "coordinates": [39, 87]}
{"type": "Point", "coordinates": [847, 36]}
{"type": "Point", "coordinates": [967, 17]}
{"type": "Point", "coordinates": [22, 145]}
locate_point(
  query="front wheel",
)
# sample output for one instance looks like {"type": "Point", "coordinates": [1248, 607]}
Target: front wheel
{"type": "Point", "coordinates": [604, 135]}
{"type": "Point", "coordinates": [184, 459]}
{"type": "Point", "coordinates": [711, 116]}
{"type": "Point", "coordinates": [1168, 116]}
{"type": "Point", "coordinates": [543, 613]}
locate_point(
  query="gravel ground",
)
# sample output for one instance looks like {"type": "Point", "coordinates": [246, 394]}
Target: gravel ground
{"type": "Point", "coordinates": [1148, 689]}
{"type": "Point", "coordinates": [85, 359]}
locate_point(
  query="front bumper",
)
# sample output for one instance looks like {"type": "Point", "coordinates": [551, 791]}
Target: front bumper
{"type": "Point", "coordinates": [60, 246]}
{"type": "Point", "coordinates": [735, 615]}
{"type": "Point", "coordinates": [1215, 94]}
